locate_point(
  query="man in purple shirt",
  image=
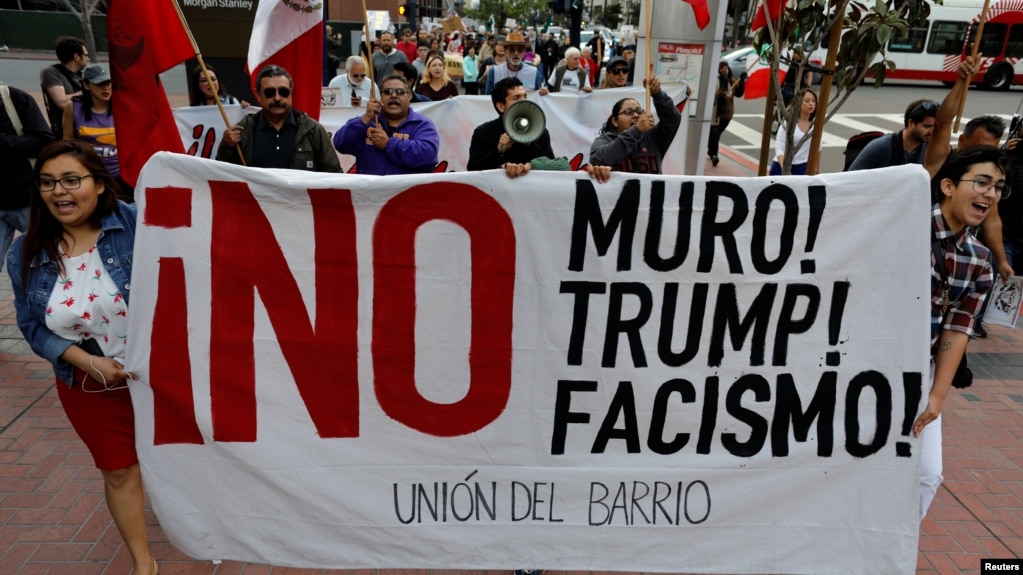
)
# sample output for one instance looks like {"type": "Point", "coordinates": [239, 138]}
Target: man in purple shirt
{"type": "Point", "coordinates": [390, 138]}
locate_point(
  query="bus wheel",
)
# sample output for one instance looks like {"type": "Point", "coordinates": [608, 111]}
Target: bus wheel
{"type": "Point", "coordinates": [999, 77]}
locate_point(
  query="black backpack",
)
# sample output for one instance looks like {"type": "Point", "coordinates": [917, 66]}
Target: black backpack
{"type": "Point", "coordinates": [856, 144]}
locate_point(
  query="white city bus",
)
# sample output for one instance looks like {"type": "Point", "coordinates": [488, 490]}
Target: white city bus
{"type": "Point", "coordinates": [934, 51]}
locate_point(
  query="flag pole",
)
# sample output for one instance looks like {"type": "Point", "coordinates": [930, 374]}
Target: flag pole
{"type": "Point", "coordinates": [650, 57]}
{"type": "Point", "coordinates": [369, 53]}
{"type": "Point", "coordinates": [973, 54]}
{"type": "Point", "coordinates": [206, 74]}
{"type": "Point", "coordinates": [814, 162]}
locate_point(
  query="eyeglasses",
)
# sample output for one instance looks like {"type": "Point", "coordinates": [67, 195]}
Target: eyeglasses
{"type": "Point", "coordinates": [67, 182]}
{"type": "Point", "coordinates": [393, 91]}
{"type": "Point", "coordinates": [982, 185]}
{"type": "Point", "coordinates": [925, 106]}
{"type": "Point", "coordinates": [271, 92]}
{"type": "Point", "coordinates": [357, 75]}
{"type": "Point", "coordinates": [618, 71]}
{"type": "Point", "coordinates": [632, 111]}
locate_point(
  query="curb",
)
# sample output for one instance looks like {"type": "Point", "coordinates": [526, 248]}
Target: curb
{"type": "Point", "coordinates": [745, 162]}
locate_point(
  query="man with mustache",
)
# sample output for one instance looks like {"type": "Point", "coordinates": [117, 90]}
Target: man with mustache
{"type": "Point", "coordinates": [514, 66]}
{"type": "Point", "coordinates": [279, 136]}
{"type": "Point", "coordinates": [390, 138]}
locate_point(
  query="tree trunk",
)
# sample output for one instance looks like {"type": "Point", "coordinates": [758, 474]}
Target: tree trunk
{"type": "Point", "coordinates": [83, 10]}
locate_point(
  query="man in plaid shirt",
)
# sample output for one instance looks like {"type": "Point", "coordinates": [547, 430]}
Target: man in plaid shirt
{"type": "Point", "coordinates": [972, 181]}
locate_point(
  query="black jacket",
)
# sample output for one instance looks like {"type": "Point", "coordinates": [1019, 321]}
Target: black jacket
{"type": "Point", "coordinates": [16, 151]}
{"type": "Point", "coordinates": [483, 154]}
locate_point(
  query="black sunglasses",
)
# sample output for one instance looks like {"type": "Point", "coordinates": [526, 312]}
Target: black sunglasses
{"type": "Point", "coordinates": [271, 92]}
{"type": "Point", "coordinates": [618, 71]}
{"type": "Point", "coordinates": [926, 106]}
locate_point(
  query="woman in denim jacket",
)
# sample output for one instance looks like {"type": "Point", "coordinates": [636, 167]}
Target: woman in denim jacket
{"type": "Point", "coordinates": [71, 273]}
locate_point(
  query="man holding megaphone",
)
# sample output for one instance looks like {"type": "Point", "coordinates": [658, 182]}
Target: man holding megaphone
{"type": "Point", "coordinates": [514, 147]}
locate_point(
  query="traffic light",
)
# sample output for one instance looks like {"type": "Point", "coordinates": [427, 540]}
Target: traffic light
{"type": "Point", "coordinates": [403, 9]}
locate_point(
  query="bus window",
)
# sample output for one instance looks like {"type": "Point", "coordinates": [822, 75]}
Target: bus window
{"type": "Point", "coordinates": [993, 39]}
{"type": "Point", "coordinates": [947, 38]}
{"type": "Point", "coordinates": [1014, 49]}
{"type": "Point", "coordinates": [913, 42]}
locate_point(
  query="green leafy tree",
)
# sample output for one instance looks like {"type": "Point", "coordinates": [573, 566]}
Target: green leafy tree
{"type": "Point", "coordinates": [614, 16]}
{"type": "Point", "coordinates": [632, 12]}
{"type": "Point", "coordinates": [805, 27]}
{"type": "Point", "coordinates": [520, 10]}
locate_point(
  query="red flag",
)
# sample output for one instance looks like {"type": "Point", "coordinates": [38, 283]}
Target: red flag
{"type": "Point", "coordinates": [758, 75]}
{"type": "Point", "coordinates": [285, 34]}
{"type": "Point", "coordinates": [760, 18]}
{"type": "Point", "coordinates": [701, 12]}
{"type": "Point", "coordinates": [145, 39]}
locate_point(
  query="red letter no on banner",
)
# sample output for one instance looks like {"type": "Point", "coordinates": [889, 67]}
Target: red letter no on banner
{"type": "Point", "coordinates": [492, 240]}
{"type": "Point", "coordinates": [322, 356]}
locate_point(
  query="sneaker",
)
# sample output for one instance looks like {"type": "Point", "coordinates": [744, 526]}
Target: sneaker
{"type": "Point", "coordinates": [979, 331]}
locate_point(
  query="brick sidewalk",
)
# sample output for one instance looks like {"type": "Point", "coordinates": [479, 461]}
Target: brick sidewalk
{"type": "Point", "coordinates": [53, 519]}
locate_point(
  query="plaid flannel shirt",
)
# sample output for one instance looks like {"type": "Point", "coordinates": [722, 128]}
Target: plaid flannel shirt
{"type": "Point", "coordinates": [969, 276]}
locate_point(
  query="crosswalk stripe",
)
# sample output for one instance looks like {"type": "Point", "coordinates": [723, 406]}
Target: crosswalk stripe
{"type": "Point", "coordinates": [858, 126]}
{"type": "Point", "coordinates": [836, 133]}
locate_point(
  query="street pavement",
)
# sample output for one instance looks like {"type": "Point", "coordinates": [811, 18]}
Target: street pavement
{"type": "Point", "coordinates": [53, 519]}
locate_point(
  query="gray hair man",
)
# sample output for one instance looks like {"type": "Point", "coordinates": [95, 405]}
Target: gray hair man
{"type": "Point", "coordinates": [569, 75]}
{"type": "Point", "coordinates": [354, 83]}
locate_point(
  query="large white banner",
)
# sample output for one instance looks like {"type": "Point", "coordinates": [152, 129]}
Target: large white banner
{"type": "Point", "coordinates": [461, 370]}
{"type": "Point", "coordinates": [572, 120]}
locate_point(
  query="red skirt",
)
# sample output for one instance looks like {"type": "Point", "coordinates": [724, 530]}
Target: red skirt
{"type": "Point", "coordinates": [104, 420]}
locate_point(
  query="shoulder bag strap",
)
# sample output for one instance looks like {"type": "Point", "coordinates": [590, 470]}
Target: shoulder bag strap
{"type": "Point", "coordinates": [12, 113]}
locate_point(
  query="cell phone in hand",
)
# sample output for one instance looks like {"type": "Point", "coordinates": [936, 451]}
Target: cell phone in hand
{"type": "Point", "coordinates": [91, 346]}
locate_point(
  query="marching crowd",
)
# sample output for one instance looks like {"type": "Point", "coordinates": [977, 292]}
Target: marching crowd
{"type": "Point", "coordinates": [65, 194]}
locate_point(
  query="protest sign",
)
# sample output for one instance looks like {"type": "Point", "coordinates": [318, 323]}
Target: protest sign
{"type": "Point", "coordinates": [572, 121]}
{"type": "Point", "coordinates": [463, 370]}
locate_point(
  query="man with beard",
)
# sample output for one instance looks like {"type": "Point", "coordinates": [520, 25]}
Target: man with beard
{"type": "Point", "coordinates": [390, 138]}
{"type": "Point", "coordinates": [279, 136]}
{"type": "Point", "coordinates": [514, 66]}
{"type": "Point", "coordinates": [62, 81]}
{"type": "Point", "coordinates": [907, 146]}
{"type": "Point", "coordinates": [385, 58]}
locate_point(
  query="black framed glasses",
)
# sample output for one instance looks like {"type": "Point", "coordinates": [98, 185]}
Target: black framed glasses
{"type": "Point", "coordinates": [393, 91]}
{"type": "Point", "coordinates": [67, 182]}
{"type": "Point", "coordinates": [982, 185]}
{"type": "Point", "coordinates": [632, 112]}
{"type": "Point", "coordinates": [271, 92]}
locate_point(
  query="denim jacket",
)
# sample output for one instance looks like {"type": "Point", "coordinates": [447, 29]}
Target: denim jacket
{"type": "Point", "coordinates": [116, 242]}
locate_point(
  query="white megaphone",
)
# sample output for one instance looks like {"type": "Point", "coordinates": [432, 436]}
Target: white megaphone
{"type": "Point", "coordinates": [524, 121]}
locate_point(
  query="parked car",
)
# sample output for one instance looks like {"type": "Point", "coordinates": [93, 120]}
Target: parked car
{"type": "Point", "coordinates": [737, 62]}
{"type": "Point", "coordinates": [737, 59]}
{"type": "Point", "coordinates": [586, 35]}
